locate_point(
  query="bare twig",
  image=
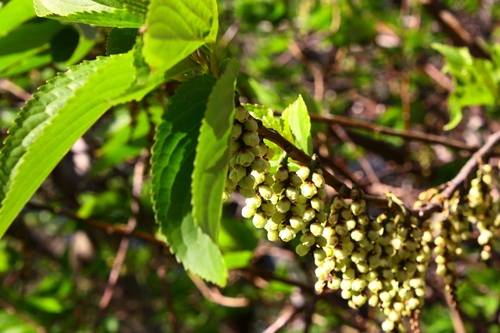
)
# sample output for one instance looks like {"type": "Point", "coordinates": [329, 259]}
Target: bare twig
{"type": "Point", "coordinates": [463, 175]}
{"type": "Point", "coordinates": [123, 247]}
{"type": "Point", "coordinates": [411, 135]}
{"type": "Point", "coordinates": [109, 228]}
{"type": "Point", "coordinates": [213, 294]}
{"type": "Point", "coordinates": [172, 318]}
{"type": "Point", "coordinates": [284, 318]}
{"type": "Point", "coordinates": [451, 26]}
{"type": "Point", "coordinates": [14, 89]}
{"type": "Point", "coordinates": [456, 319]}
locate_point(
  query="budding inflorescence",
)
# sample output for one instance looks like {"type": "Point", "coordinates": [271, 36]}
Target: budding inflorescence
{"type": "Point", "coordinates": [378, 261]}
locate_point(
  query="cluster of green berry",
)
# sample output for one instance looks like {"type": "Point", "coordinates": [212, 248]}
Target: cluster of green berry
{"type": "Point", "coordinates": [249, 166]}
{"type": "Point", "coordinates": [381, 261]}
{"type": "Point", "coordinates": [284, 203]}
{"type": "Point", "coordinates": [454, 225]}
{"type": "Point", "coordinates": [482, 210]}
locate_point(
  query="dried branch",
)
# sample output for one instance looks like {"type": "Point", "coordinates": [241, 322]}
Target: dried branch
{"type": "Point", "coordinates": [172, 318]}
{"type": "Point", "coordinates": [465, 172]}
{"type": "Point", "coordinates": [284, 318]}
{"type": "Point", "coordinates": [463, 175]}
{"type": "Point", "coordinates": [213, 294]}
{"type": "Point", "coordinates": [124, 243]}
{"type": "Point", "coordinates": [410, 135]}
{"type": "Point", "coordinates": [452, 28]}
{"type": "Point", "coordinates": [109, 228]}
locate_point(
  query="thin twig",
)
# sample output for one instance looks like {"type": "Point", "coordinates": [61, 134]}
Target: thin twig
{"type": "Point", "coordinates": [363, 162]}
{"type": "Point", "coordinates": [124, 243]}
{"type": "Point", "coordinates": [456, 319]}
{"type": "Point", "coordinates": [284, 318]}
{"type": "Point", "coordinates": [109, 228]}
{"type": "Point", "coordinates": [172, 318]}
{"type": "Point", "coordinates": [463, 175]}
{"type": "Point", "coordinates": [14, 89]}
{"type": "Point", "coordinates": [411, 135]}
{"type": "Point", "coordinates": [213, 294]}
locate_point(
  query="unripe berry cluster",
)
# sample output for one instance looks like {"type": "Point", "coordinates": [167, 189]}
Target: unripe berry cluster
{"type": "Point", "coordinates": [249, 157]}
{"type": "Point", "coordinates": [380, 261]}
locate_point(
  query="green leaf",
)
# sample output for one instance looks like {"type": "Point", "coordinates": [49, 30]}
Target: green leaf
{"type": "Point", "coordinates": [137, 7]}
{"type": "Point", "coordinates": [48, 126]}
{"type": "Point", "coordinates": [212, 153]}
{"type": "Point", "coordinates": [29, 40]}
{"type": "Point", "coordinates": [238, 259]}
{"type": "Point", "coordinates": [104, 13]}
{"type": "Point", "coordinates": [190, 25]}
{"type": "Point", "coordinates": [297, 121]}
{"type": "Point", "coordinates": [46, 304]}
{"type": "Point", "coordinates": [120, 40]}
{"type": "Point", "coordinates": [14, 13]}
{"type": "Point", "coordinates": [172, 166]}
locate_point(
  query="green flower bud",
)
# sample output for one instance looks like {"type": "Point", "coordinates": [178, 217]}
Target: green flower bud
{"type": "Point", "coordinates": [253, 202]}
{"type": "Point", "coordinates": [358, 285]}
{"type": "Point", "coordinates": [359, 300]}
{"type": "Point", "coordinates": [308, 190]}
{"type": "Point", "coordinates": [273, 235]}
{"type": "Point", "coordinates": [292, 193]}
{"type": "Point", "coordinates": [334, 283]}
{"type": "Point", "coordinates": [346, 294]}
{"type": "Point", "coordinates": [248, 212]}
{"type": "Point", "coordinates": [251, 125]}
{"type": "Point", "coordinates": [303, 173]}
{"type": "Point", "coordinates": [316, 229]}
{"type": "Point", "coordinates": [236, 132]}
{"type": "Point", "coordinates": [350, 224]}
{"type": "Point", "coordinates": [321, 217]}
{"type": "Point", "coordinates": [318, 180]}
{"type": "Point", "coordinates": [261, 165]}
{"type": "Point", "coordinates": [269, 154]}
{"type": "Point", "coordinates": [338, 202]}
{"type": "Point", "coordinates": [245, 157]}
{"type": "Point", "coordinates": [317, 204]}
{"type": "Point", "coordinates": [247, 182]}
{"type": "Point", "coordinates": [265, 191]}
{"type": "Point", "coordinates": [309, 214]}
{"type": "Point", "coordinates": [319, 285]}
{"type": "Point", "coordinates": [373, 301]}
{"type": "Point", "coordinates": [272, 225]}
{"type": "Point", "coordinates": [297, 210]}
{"type": "Point", "coordinates": [278, 187]}
{"type": "Point", "coordinates": [308, 239]}
{"type": "Point", "coordinates": [241, 114]}
{"type": "Point", "coordinates": [357, 235]}
{"type": "Point", "coordinates": [278, 217]}
{"type": "Point", "coordinates": [283, 205]}
{"type": "Point", "coordinates": [302, 249]}
{"type": "Point", "coordinates": [319, 255]}
{"type": "Point", "coordinates": [247, 193]}
{"type": "Point", "coordinates": [295, 180]}
{"type": "Point", "coordinates": [251, 138]}
{"type": "Point", "coordinates": [259, 220]}
{"type": "Point", "coordinates": [388, 325]}
{"type": "Point", "coordinates": [237, 173]}
{"type": "Point", "coordinates": [297, 223]}
{"type": "Point", "coordinates": [287, 234]}
{"type": "Point", "coordinates": [358, 207]}
{"type": "Point", "coordinates": [281, 174]}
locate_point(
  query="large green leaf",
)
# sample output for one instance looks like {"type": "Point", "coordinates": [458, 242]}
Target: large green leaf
{"type": "Point", "coordinates": [172, 166]}
{"type": "Point", "coordinates": [176, 28]}
{"type": "Point", "coordinates": [109, 13]}
{"type": "Point", "coordinates": [297, 121]}
{"type": "Point", "coordinates": [51, 122]}
{"type": "Point", "coordinates": [212, 153]}
{"type": "Point", "coordinates": [14, 13]}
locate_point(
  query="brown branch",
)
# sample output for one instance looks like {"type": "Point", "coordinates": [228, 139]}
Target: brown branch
{"type": "Point", "coordinates": [284, 318]}
{"type": "Point", "coordinates": [463, 175]}
{"type": "Point", "coordinates": [124, 243]}
{"type": "Point", "coordinates": [270, 276]}
{"type": "Point", "coordinates": [411, 135]}
{"type": "Point", "coordinates": [452, 28]}
{"type": "Point", "coordinates": [14, 89]}
{"type": "Point", "coordinates": [465, 172]}
{"type": "Point", "coordinates": [213, 294]}
{"type": "Point", "coordinates": [172, 318]}
{"type": "Point", "coordinates": [109, 228]}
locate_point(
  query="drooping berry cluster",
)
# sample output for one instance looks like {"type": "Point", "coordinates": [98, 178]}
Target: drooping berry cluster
{"type": "Point", "coordinates": [381, 261]}
{"type": "Point", "coordinates": [249, 157]}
